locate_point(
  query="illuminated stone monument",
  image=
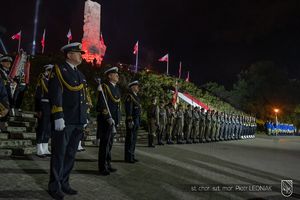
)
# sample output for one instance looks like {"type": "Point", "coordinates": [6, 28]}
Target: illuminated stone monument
{"type": "Point", "coordinates": [91, 43]}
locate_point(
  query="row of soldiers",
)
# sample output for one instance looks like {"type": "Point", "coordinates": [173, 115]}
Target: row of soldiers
{"type": "Point", "coordinates": [194, 125]}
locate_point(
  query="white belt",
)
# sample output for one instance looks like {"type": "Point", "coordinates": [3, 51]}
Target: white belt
{"type": "Point", "coordinates": [45, 100]}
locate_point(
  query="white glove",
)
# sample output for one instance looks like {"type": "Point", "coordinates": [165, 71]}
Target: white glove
{"type": "Point", "coordinates": [59, 124]}
{"type": "Point", "coordinates": [110, 121]}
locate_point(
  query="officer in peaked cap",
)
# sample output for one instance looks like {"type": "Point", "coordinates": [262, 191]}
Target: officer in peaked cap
{"type": "Point", "coordinates": [108, 118]}
{"type": "Point", "coordinates": [133, 118]}
{"type": "Point", "coordinates": [67, 89]}
{"type": "Point", "coordinates": [43, 109]}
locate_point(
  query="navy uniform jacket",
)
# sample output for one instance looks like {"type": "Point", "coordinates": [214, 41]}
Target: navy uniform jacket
{"type": "Point", "coordinates": [4, 76]}
{"type": "Point", "coordinates": [41, 92]}
{"type": "Point", "coordinates": [132, 107]}
{"type": "Point", "coordinates": [113, 97]}
{"type": "Point", "coordinates": [67, 93]}
{"type": "Point", "coordinates": [3, 96]}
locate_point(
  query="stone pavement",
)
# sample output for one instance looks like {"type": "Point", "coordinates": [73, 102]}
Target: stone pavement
{"type": "Point", "coordinates": [166, 172]}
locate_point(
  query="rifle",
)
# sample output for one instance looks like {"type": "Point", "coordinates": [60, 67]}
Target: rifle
{"type": "Point", "coordinates": [98, 80]}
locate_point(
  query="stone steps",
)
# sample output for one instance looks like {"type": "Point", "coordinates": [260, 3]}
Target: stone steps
{"type": "Point", "coordinates": [13, 143]}
{"type": "Point", "coordinates": [3, 136]}
{"type": "Point", "coordinates": [25, 135]}
{"type": "Point", "coordinates": [22, 119]}
{"type": "Point", "coordinates": [5, 152]}
{"type": "Point", "coordinates": [23, 150]}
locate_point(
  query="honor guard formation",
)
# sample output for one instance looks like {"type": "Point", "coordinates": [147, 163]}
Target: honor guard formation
{"type": "Point", "coordinates": [63, 104]}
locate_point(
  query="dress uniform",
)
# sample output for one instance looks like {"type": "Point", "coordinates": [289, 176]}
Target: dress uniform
{"type": "Point", "coordinates": [4, 103]}
{"type": "Point", "coordinates": [67, 93]}
{"type": "Point", "coordinates": [108, 118]}
{"type": "Point", "coordinates": [10, 85]}
{"type": "Point", "coordinates": [43, 109]}
{"type": "Point", "coordinates": [133, 119]}
{"type": "Point", "coordinates": [162, 123]}
{"type": "Point", "coordinates": [153, 121]}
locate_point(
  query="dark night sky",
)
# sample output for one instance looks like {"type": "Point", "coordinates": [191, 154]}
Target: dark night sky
{"type": "Point", "coordinates": [213, 39]}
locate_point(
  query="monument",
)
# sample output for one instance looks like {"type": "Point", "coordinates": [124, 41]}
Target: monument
{"type": "Point", "coordinates": [92, 41]}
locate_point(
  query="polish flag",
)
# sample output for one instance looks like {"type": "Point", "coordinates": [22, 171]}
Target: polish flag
{"type": "Point", "coordinates": [165, 58]}
{"type": "Point", "coordinates": [16, 36]}
{"type": "Point", "coordinates": [136, 48]}
{"type": "Point", "coordinates": [69, 35]}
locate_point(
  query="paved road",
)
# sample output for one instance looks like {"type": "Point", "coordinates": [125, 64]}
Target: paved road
{"type": "Point", "coordinates": [168, 172]}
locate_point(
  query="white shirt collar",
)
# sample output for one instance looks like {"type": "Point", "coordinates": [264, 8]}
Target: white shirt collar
{"type": "Point", "coordinates": [113, 84]}
{"type": "Point", "coordinates": [71, 65]}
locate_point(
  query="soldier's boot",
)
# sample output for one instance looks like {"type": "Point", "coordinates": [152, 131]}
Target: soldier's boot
{"type": "Point", "coordinates": [150, 140]}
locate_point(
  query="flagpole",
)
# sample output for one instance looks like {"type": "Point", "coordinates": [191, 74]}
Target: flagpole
{"type": "Point", "coordinates": [68, 41]}
{"type": "Point", "coordinates": [44, 37]}
{"type": "Point", "coordinates": [168, 66]}
{"type": "Point", "coordinates": [19, 45]}
{"type": "Point", "coordinates": [136, 61]}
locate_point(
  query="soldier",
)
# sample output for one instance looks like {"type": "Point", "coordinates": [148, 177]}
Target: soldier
{"type": "Point", "coordinates": [170, 123]}
{"type": "Point", "coordinates": [188, 122]}
{"type": "Point", "coordinates": [178, 126]}
{"type": "Point", "coordinates": [213, 125]}
{"type": "Point", "coordinates": [68, 108]}
{"type": "Point", "coordinates": [202, 125]}
{"type": "Point", "coordinates": [195, 126]}
{"type": "Point", "coordinates": [153, 121]}
{"type": "Point", "coordinates": [108, 108]}
{"type": "Point", "coordinates": [10, 85]}
{"type": "Point", "coordinates": [207, 126]}
{"type": "Point", "coordinates": [218, 125]}
{"type": "Point", "coordinates": [4, 103]}
{"type": "Point", "coordinates": [133, 119]}
{"type": "Point", "coordinates": [43, 109]}
{"type": "Point", "coordinates": [222, 125]}
{"type": "Point", "coordinates": [162, 123]}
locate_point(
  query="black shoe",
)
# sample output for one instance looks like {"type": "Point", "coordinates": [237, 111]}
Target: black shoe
{"type": "Point", "coordinates": [41, 156]}
{"type": "Point", "coordinates": [104, 173]}
{"type": "Point", "coordinates": [70, 191]}
{"type": "Point", "coordinates": [112, 170]}
{"type": "Point", "coordinates": [151, 146]}
{"type": "Point", "coordinates": [129, 161]}
{"type": "Point", "coordinates": [135, 160]}
{"type": "Point", "coordinates": [56, 195]}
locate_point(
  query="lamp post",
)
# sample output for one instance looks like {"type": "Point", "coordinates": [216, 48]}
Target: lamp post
{"type": "Point", "coordinates": [276, 110]}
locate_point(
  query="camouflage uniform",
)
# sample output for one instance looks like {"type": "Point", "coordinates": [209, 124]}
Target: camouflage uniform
{"type": "Point", "coordinates": [188, 122]}
{"type": "Point", "coordinates": [195, 127]}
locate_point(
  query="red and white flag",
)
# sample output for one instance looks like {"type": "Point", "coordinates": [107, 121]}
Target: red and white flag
{"type": "Point", "coordinates": [188, 77]}
{"type": "Point", "coordinates": [43, 39]}
{"type": "Point", "coordinates": [136, 48]}
{"type": "Point", "coordinates": [17, 36]}
{"type": "Point", "coordinates": [69, 35]}
{"type": "Point", "coordinates": [179, 70]}
{"type": "Point", "coordinates": [165, 58]}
